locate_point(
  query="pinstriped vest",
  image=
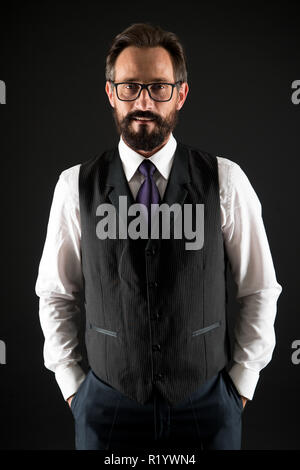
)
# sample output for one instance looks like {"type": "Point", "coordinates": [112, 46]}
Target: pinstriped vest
{"type": "Point", "coordinates": [155, 312]}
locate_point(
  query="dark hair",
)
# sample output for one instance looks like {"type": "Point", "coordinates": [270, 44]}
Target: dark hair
{"type": "Point", "coordinates": [147, 35]}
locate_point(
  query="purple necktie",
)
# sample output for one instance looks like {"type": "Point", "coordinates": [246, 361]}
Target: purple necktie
{"type": "Point", "coordinates": [148, 193]}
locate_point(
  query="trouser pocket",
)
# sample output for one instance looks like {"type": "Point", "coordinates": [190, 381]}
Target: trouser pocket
{"type": "Point", "coordinates": [76, 397]}
{"type": "Point", "coordinates": [232, 389]}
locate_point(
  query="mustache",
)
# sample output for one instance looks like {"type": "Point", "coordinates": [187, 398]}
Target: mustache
{"type": "Point", "coordinates": [142, 114]}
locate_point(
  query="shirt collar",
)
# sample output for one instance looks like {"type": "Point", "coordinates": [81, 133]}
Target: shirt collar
{"type": "Point", "coordinates": [162, 159]}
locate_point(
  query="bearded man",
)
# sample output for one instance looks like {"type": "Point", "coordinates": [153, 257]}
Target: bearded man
{"type": "Point", "coordinates": [161, 373]}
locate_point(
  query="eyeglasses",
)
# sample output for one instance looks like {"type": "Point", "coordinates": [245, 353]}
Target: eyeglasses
{"type": "Point", "coordinates": [130, 91]}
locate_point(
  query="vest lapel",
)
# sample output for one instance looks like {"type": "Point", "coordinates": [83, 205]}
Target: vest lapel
{"type": "Point", "coordinates": [117, 185]}
{"type": "Point", "coordinates": [178, 182]}
{"type": "Point", "coordinates": [176, 190]}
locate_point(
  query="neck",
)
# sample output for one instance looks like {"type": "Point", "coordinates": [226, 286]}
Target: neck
{"type": "Point", "coordinates": [152, 152]}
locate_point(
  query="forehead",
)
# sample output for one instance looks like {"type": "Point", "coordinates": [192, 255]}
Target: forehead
{"type": "Point", "coordinates": [144, 64]}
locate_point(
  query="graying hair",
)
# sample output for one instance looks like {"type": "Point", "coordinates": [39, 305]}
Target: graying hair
{"type": "Point", "coordinates": [147, 35]}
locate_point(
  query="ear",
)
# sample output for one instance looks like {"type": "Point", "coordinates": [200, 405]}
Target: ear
{"type": "Point", "coordinates": [110, 93]}
{"type": "Point", "coordinates": [181, 95]}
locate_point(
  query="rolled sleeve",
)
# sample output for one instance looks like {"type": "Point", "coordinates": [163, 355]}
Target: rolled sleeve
{"type": "Point", "coordinates": [59, 284]}
{"type": "Point", "coordinates": [253, 271]}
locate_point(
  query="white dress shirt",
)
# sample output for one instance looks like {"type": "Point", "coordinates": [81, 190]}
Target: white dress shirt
{"type": "Point", "coordinates": [59, 280]}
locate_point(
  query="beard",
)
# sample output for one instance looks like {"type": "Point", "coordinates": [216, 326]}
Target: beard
{"type": "Point", "coordinates": [143, 139]}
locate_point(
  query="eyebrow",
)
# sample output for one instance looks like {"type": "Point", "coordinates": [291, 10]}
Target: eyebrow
{"type": "Point", "coordinates": [164, 80]}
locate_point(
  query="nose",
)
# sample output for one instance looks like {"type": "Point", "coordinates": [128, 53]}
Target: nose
{"type": "Point", "coordinates": [144, 101]}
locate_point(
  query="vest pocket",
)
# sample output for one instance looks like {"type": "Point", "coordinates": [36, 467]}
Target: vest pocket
{"type": "Point", "coordinates": [206, 329]}
{"type": "Point", "coordinates": [103, 331]}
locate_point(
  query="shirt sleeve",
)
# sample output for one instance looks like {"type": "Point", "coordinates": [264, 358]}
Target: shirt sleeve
{"type": "Point", "coordinates": [59, 284]}
{"type": "Point", "coordinates": [253, 271]}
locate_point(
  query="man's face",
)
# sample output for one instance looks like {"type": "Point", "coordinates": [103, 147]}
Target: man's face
{"type": "Point", "coordinates": [145, 65]}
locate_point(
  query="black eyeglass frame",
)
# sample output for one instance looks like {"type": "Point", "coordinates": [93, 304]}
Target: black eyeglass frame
{"type": "Point", "coordinates": [145, 85]}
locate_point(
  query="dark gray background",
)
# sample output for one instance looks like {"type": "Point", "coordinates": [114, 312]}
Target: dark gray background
{"type": "Point", "coordinates": [242, 59]}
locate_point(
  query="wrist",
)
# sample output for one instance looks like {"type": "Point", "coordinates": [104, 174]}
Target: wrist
{"type": "Point", "coordinates": [69, 400]}
{"type": "Point", "coordinates": [244, 400]}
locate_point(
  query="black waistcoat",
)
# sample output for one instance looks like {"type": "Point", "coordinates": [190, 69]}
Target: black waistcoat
{"type": "Point", "coordinates": [155, 311]}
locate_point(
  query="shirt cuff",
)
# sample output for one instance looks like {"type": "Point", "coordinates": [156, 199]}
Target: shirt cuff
{"type": "Point", "coordinates": [69, 378]}
{"type": "Point", "coordinates": [244, 379]}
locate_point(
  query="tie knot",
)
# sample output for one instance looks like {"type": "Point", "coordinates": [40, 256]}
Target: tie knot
{"type": "Point", "coordinates": [147, 168]}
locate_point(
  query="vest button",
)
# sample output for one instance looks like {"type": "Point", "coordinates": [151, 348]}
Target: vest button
{"type": "Point", "coordinates": [158, 377]}
{"type": "Point", "coordinates": [156, 347]}
{"type": "Point", "coordinates": [155, 316]}
{"type": "Point", "coordinates": [153, 284]}
{"type": "Point", "coordinates": [150, 252]}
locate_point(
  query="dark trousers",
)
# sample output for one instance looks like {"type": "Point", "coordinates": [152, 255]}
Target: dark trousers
{"type": "Point", "coordinates": [209, 418]}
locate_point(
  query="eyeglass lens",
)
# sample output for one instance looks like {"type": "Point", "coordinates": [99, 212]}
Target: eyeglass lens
{"type": "Point", "coordinates": [158, 91]}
